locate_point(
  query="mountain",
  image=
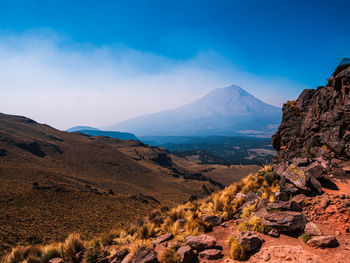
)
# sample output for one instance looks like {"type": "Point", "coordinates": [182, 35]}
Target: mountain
{"type": "Point", "coordinates": [80, 128]}
{"type": "Point", "coordinates": [111, 134]}
{"type": "Point", "coordinates": [225, 111]}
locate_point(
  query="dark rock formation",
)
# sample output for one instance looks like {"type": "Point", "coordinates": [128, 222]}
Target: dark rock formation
{"type": "Point", "coordinates": [318, 122]}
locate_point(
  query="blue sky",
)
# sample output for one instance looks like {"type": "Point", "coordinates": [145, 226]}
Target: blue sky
{"type": "Point", "coordinates": [101, 62]}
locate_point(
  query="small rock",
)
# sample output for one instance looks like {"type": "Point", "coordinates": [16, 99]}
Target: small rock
{"type": "Point", "coordinates": [267, 257]}
{"type": "Point", "coordinates": [212, 220]}
{"type": "Point", "coordinates": [211, 254]}
{"type": "Point", "coordinates": [226, 224]}
{"type": "Point", "coordinates": [338, 233]}
{"type": "Point", "coordinates": [274, 233]}
{"type": "Point", "coordinates": [250, 241]}
{"type": "Point", "coordinates": [323, 241]}
{"type": "Point", "coordinates": [312, 229]}
{"type": "Point", "coordinates": [186, 254]}
{"type": "Point", "coordinates": [56, 260]}
{"type": "Point", "coordinates": [201, 242]}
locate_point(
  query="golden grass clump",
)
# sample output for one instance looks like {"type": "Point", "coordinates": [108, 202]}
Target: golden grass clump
{"type": "Point", "coordinates": [254, 224]}
{"type": "Point", "coordinates": [107, 239]}
{"type": "Point", "coordinates": [236, 250]}
{"type": "Point", "coordinates": [50, 252]}
{"type": "Point", "coordinates": [170, 255]}
{"type": "Point", "coordinates": [19, 254]}
{"type": "Point", "coordinates": [146, 231]}
{"type": "Point", "coordinates": [71, 247]}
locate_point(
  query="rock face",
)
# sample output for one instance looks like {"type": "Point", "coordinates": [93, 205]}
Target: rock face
{"type": "Point", "coordinates": [250, 241]}
{"type": "Point", "coordinates": [318, 122]}
{"type": "Point", "coordinates": [201, 242]}
{"type": "Point", "coordinates": [145, 255]}
{"type": "Point", "coordinates": [323, 241]}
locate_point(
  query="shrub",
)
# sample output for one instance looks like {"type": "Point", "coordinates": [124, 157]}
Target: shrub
{"type": "Point", "coordinates": [72, 246]}
{"type": "Point", "coordinates": [236, 250]}
{"type": "Point", "coordinates": [21, 253]}
{"type": "Point", "coordinates": [169, 255]}
{"type": "Point", "coordinates": [50, 252]}
{"type": "Point", "coordinates": [305, 237]}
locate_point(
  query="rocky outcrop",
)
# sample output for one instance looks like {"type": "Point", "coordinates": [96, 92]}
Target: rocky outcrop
{"type": "Point", "coordinates": [318, 122]}
{"type": "Point", "coordinates": [201, 242]}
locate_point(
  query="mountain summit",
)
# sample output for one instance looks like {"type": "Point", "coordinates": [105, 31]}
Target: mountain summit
{"type": "Point", "coordinates": [224, 111]}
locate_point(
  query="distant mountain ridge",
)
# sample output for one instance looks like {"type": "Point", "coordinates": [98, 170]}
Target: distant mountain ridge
{"type": "Point", "coordinates": [225, 111]}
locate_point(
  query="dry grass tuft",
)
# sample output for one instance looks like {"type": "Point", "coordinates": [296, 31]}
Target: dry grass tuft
{"type": "Point", "coordinates": [236, 250]}
{"type": "Point", "coordinates": [50, 252]}
{"type": "Point", "coordinates": [170, 255]}
{"type": "Point", "coordinates": [72, 246]}
{"type": "Point", "coordinates": [254, 224]}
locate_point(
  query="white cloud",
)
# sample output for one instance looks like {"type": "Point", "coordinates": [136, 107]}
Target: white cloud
{"type": "Point", "coordinates": [63, 84]}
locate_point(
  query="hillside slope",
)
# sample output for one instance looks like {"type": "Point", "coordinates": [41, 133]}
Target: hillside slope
{"type": "Point", "coordinates": [73, 182]}
{"type": "Point", "coordinates": [226, 111]}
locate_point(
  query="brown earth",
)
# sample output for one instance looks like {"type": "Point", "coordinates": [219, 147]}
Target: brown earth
{"type": "Point", "coordinates": [54, 183]}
